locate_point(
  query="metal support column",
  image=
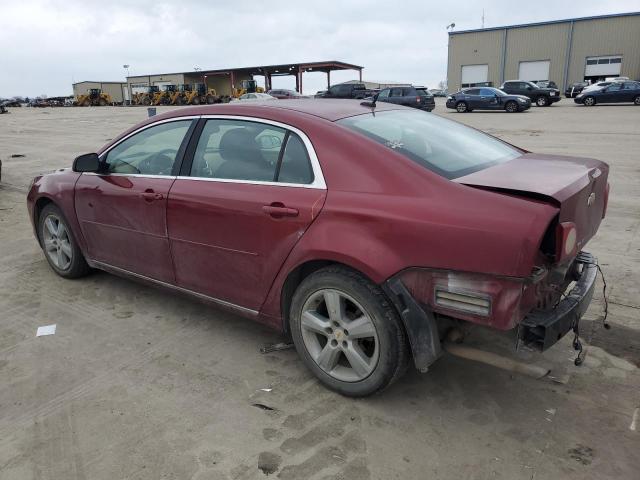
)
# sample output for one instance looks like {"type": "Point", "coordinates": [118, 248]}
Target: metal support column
{"type": "Point", "coordinates": [328, 79]}
{"type": "Point", "coordinates": [567, 58]}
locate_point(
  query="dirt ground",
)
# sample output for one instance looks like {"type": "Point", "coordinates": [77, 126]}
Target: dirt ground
{"type": "Point", "coordinates": [139, 384]}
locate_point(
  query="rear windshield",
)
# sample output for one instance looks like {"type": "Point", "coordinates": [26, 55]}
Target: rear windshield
{"type": "Point", "coordinates": [443, 146]}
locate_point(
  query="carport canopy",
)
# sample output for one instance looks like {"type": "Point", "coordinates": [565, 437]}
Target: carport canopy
{"type": "Point", "coordinates": [296, 69]}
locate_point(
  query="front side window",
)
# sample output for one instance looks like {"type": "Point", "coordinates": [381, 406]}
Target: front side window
{"type": "Point", "coordinates": [384, 93]}
{"type": "Point", "coordinates": [396, 92]}
{"type": "Point", "coordinates": [445, 147]}
{"type": "Point", "coordinates": [153, 151]}
{"type": "Point", "coordinates": [614, 87]}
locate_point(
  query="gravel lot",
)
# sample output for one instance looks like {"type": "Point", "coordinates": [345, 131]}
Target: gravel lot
{"type": "Point", "coordinates": [140, 384]}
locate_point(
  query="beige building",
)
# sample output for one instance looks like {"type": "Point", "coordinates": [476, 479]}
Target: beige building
{"type": "Point", "coordinates": [117, 90]}
{"type": "Point", "coordinates": [565, 51]}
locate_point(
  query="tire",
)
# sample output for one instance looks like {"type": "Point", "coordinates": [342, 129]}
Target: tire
{"type": "Point", "coordinates": [589, 101]}
{"type": "Point", "coordinates": [146, 101]}
{"type": "Point", "coordinates": [461, 107]}
{"type": "Point", "coordinates": [636, 101]}
{"type": "Point", "coordinates": [542, 102]}
{"type": "Point", "coordinates": [210, 99]}
{"type": "Point", "coordinates": [179, 101]}
{"type": "Point", "coordinates": [354, 366]}
{"type": "Point", "coordinates": [511, 107]}
{"type": "Point", "coordinates": [102, 102]}
{"type": "Point", "coordinates": [59, 245]}
{"type": "Point", "coordinates": [195, 101]}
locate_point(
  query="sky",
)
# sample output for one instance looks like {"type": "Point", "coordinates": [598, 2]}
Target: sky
{"type": "Point", "coordinates": [48, 45]}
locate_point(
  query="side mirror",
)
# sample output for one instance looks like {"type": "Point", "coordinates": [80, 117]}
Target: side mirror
{"type": "Point", "coordinates": [89, 162]}
{"type": "Point", "coordinates": [529, 88]}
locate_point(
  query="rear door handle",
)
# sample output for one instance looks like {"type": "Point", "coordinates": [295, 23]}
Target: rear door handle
{"type": "Point", "coordinates": [150, 195]}
{"type": "Point", "coordinates": [278, 210]}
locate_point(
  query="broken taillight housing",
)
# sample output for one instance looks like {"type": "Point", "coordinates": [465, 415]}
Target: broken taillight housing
{"type": "Point", "coordinates": [566, 241]}
{"type": "Point", "coordinates": [479, 298]}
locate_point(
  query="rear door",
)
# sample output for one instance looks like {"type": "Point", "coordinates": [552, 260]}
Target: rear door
{"type": "Point", "coordinates": [248, 192]}
{"type": "Point", "coordinates": [122, 213]}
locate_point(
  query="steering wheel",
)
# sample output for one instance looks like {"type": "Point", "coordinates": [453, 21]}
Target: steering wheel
{"type": "Point", "coordinates": [160, 163]}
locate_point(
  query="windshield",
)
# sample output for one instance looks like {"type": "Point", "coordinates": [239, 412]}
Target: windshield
{"type": "Point", "coordinates": [531, 84]}
{"type": "Point", "coordinates": [443, 146]}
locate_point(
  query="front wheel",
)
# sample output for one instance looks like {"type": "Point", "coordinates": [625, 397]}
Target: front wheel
{"type": "Point", "coordinates": [589, 101]}
{"type": "Point", "coordinates": [542, 101]}
{"type": "Point", "coordinates": [461, 107]}
{"type": "Point", "coordinates": [347, 332]}
{"type": "Point", "coordinates": [636, 100]}
{"type": "Point", "coordinates": [511, 107]}
{"type": "Point", "coordinates": [59, 245]}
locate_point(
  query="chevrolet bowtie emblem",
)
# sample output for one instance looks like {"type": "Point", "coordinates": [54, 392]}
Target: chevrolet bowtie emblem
{"type": "Point", "coordinates": [591, 199]}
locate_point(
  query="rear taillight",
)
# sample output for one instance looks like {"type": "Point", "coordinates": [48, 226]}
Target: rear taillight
{"type": "Point", "coordinates": [417, 99]}
{"type": "Point", "coordinates": [566, 241]}
{"type": "Point", "coordinates": [606, 201]}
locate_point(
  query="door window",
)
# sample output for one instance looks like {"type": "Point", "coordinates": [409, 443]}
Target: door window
{"type": "Point", "coordinates": [472, 91]}
{"type": "Point", "coordinates": [295, 166]}
{"type": "Point", "coordinates": [616, 87]}
{"type": "Point", "coordinates": [396, 92]}
{"type": "Point", "coordinates": [153, 151]}
{"type": "Point", "coordinates": [486, 92]}
{"type": "Point", "coordinates": [238, 150]}
{"type": "Point", "coordinates": [384, 93]}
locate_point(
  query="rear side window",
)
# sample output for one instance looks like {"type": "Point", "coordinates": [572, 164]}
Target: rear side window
{"type": "Point", "coordinates": [295, 166]}
{"type": "Point", "coordinates": [238, 150]}
{"type": "Point", "coordinates": [423, 92]}
{"type": "Point", "coordinates": [396, 92]}
{"type": "Point", "coordinates": [445, 147]}
{"type": "Point", "coordinates": [472, 91]}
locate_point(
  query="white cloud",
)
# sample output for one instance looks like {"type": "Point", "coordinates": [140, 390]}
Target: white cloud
{"type": "Point", "coordinates": [47, 44]}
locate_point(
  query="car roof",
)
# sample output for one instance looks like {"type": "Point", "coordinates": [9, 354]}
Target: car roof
{"type": "Point", "coordinates": [328, 109]}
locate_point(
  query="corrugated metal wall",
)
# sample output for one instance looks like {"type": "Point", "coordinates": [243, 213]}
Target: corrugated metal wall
{"type": "Point", "coordinates": [546, 42]}
{"type": "Point", "coordinates": [592, 37]}
{"type": "Point", "coordinates": [607, 36]}
{"type": "Point", "coordinates": [475, 48]}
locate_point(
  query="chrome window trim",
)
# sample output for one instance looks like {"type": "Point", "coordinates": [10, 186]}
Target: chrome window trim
{"type": "Point", "coordinates": [318, 177]}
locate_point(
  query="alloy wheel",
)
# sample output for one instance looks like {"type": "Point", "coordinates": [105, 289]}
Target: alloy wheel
{"type": "Point", "coordinates": [541, 101]}
{"type": "Point", "coordinates": [339, 335]}
{"type": "Point", "coordinates": [637, 100]}
{"type": "Point", "coordinates": [512, 107]}
{"type": "Point", "coordinates": [461, 107]}
{"type": "Point", "coordinates": [589, 101]}
{"type": "Point", "coordinates": [57, 242]}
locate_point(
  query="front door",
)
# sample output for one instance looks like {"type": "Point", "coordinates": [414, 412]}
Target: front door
{"type": "Point", "coordinates": [122, 213]}
{"type": "Point", "coordinates": [251, 192]}
{"type": "Point", "coordinates": [488, 99]}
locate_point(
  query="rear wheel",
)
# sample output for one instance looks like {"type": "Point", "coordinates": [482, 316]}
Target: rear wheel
{"type": "Point", "coordinates": [542, 101]}
{"type": "Point", "coordinates": [210, 99]}
{"type": "Point", "coordinates": [589, 101]}
{"type": "Point", "coordinates": [196, 101]}
{"type": "Point", "coordinates": [59, 245]}
{"type": "Point", "coordinates": [146, 101]}
{"type": "Point", "coordinates": [461, 107]}
{"type": "Point", "coordinates": [636, 100]}
{"type": "Point", "coordinates": [511, 107]}
{"type": "Point", "coordinates": [347, 332]}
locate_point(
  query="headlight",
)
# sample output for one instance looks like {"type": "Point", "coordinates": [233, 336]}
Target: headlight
{"type": "Point", "coordinates": [449, 97]}
{"type": "Point", "coordinates": [522, 100]}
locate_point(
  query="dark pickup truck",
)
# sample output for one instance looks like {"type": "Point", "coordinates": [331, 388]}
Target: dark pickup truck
{"type": "Point", "coordinates": [542, 97]}
{"type": "Point", "coordinates": [347, 90]}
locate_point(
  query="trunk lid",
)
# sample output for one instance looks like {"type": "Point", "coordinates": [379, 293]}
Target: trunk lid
{"type": "Point", "coordinates": [577, 186]}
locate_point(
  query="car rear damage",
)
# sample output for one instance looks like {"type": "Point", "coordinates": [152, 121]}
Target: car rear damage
{"type": "Point", "coordinates": [543, 306]}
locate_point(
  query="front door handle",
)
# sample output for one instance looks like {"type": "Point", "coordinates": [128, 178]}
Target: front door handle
{"type": "Point", "coordinates": [150, 195]}
{"type": "Point", "coordinates": [278, 210]}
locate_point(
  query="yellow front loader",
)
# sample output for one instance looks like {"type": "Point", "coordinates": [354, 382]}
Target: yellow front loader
{"type": "Point", "coordinates": [94, 97]}
{"type": "Point", "coordinates": [247, 86]}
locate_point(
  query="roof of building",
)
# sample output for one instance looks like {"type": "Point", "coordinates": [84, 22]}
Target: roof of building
{"type": "Point", "coordinates": [550, 22]}
{"type": "Point", "coordinates": [96, 81]}
{"type": "Point", "coordinates": [279, 69]}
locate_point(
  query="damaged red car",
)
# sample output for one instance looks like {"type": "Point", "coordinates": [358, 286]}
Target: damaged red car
{"type": "Point", "coordinates": [361, 230]}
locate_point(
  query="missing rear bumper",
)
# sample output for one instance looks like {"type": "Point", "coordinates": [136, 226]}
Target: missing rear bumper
{"type": "Point", "coordinates": [543, 328]}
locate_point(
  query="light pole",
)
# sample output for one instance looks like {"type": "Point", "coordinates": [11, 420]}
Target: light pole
{"type": "Point", "coordinates": [450, 27]}
{"type": "Point", "coordinates": [126, 67]}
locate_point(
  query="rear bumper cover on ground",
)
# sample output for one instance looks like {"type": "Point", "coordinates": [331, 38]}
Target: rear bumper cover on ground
{"type": "Point", "coordinates": [543, 328]}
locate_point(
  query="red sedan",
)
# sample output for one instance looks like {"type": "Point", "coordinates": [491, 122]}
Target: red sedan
{"type": "Point", "coordinates": [359, 230]}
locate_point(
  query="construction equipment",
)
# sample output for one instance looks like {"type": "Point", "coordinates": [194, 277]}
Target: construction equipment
{"type": "Point", "coordinates": [247, 86]}
{"type": "Point", "coordinates": [145, 98]}
{"type": "Point", "coordinates": [94, 97]}
{"type": "Point", "coordinates": [200, 94]}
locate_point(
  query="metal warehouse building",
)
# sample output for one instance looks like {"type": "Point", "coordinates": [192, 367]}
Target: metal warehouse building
{"type": "Point", "coordinates": [565, 51]}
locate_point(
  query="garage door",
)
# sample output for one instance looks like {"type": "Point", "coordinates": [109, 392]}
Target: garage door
{"type": "Point", "coordinates": [534, 71]}
{"type": "Point", "coordinates": [603, 66]}
{"type": "Point", "coordinates": [474, 74]}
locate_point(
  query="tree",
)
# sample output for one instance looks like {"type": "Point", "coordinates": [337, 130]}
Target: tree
{"type": "Point", "coordinates": [442, 84]}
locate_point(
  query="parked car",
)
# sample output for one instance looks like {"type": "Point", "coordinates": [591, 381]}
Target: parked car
{"type": "Point", "coordinates": [542, 97]}
{"type": "Point", "coordinates": [604, 83]}
{"type": "Point", "coordinates": [616, 92]}
{"type": "Point", "coordinates": [284, 94]}
{"type": "Point", "coordinates": [546, 84]}
{"type": "Point", "coordinates": [362, 236]}
{"type": "Point", "coordinates": [487, 98]}
{"type": "Point", "coordinates": [254, 97]}
{"type": "Point", "coordinates": [437, 92]}
{"type": "Point", "coordinates": [574, 89]}
{"type": "Point", "coordinates": [347, 90]}
{"type": "Point", "coordinates": [410, 96]}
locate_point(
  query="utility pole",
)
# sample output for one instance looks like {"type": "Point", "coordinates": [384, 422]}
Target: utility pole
{"type": "Point", "coordinates": [483, 18]}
